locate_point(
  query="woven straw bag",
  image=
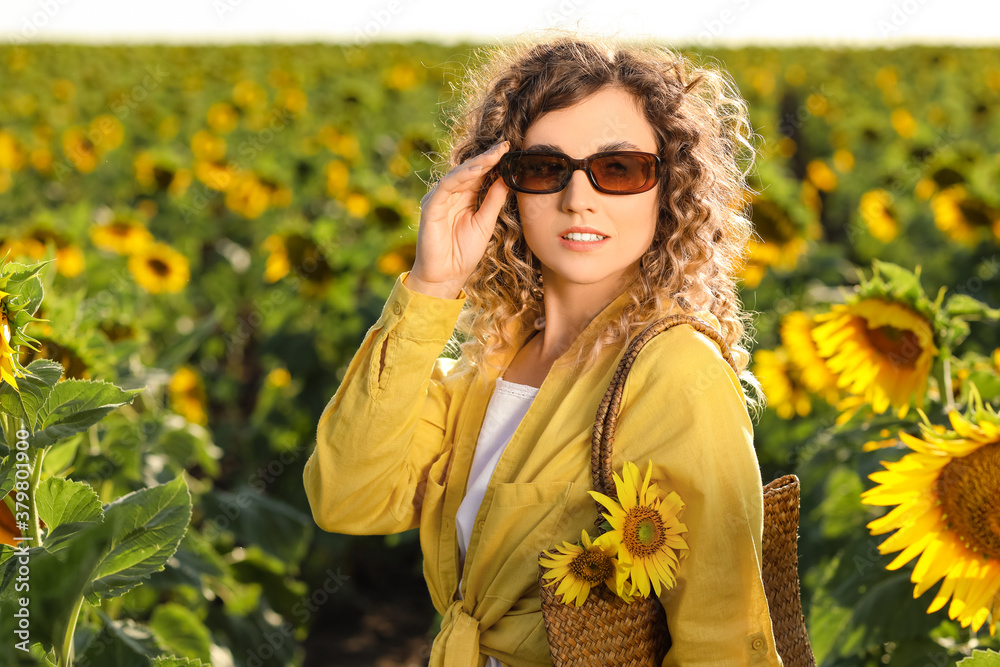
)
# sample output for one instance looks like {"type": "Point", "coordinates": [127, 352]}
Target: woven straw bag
{"type": "Point", "coordinates": [608, 631]}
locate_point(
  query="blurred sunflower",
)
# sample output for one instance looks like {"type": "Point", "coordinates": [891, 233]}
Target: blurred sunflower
{"type": "Point", "coordinates": [292, 99]}
{"type": "Point", "coordinates": [161, 173]}
{"type": "Point", "coordinates": [247, 196]}
{"type": "Point", "coordinates": [947, 494]}
{"type": "Point", "coordinates": [187, 395]}
{"type": "Point", "coordinates": [843, 160]}
{"type": "Point", "coordinates": [69, 258]}
{"type": "Point", "coordinates": [401, 76]}
{"type": "Point", "coordinates": [962, 217]}
{"type": "Point", "coordinates": [397, 260]}
{"type": "Point", "coordinates": [646, 530]}
{"type": "Point", "coordinates": [357, 205]}
{"type": "Point", "coordinates": [248, 94]}
{"type": "Point", "coordinates": [108, 132]}
{"type": "Point", "coordinates": [70, 355]}
{"type": "Point", "coordinates": [820, 174]}
{"type": "Point", "coordinates": [881, 351]}
{"type": "Point", "coordinates": [278, 195]}
{"type": "Point", "coordinates": [811, 197]}
{"type": "Point", "coordinates": [12, 156]}
{"type": "Point", "coordinates": [222, 117]}
{"type": "Point", "coordinates": [782, 242]}
{"type": "Point", "coordinates": [797, 339]}
{"type": "Point", "coordinates": [279, 377]}
{"type": "Point", "coordinates": [878, 215]}
{"type": "Point", "coordinates": [80, 150]}
{"type": "Point", "coordinates": [277, 265]}
{"type": "Point", "coordinates": [782, 384]}
{"type": "Point", "coordinates": [216, 175]}
{"type": "Point", "coordinates": [206, 146]}
{"type": "Point", "coordinates": [294, 252]}
{"type": "Point", "coordinates": [903, 122]}
{"type": "Point", "coordinates": [158, 268]}
{"type": "Point", "coordinates": [124, 236]}
{"type": "Point", "coordinates": [337, 176]}
{"type": "Point", "coordinates": [23, 247]}
{"type": "Point", "coordinates": [579, 568]}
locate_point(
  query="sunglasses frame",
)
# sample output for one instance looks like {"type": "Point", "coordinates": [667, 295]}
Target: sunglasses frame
{"type": "Point", "coordinates": [506, 171]}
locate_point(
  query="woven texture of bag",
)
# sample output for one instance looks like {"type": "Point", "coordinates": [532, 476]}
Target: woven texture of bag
{"type": "Point", "coordinates": [780, 571]}
{"type": "Point", "coordinates": [606, 631]}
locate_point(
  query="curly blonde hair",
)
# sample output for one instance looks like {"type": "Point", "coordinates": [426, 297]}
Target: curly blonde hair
{"type": "Point", "coordinates": [702, 131]}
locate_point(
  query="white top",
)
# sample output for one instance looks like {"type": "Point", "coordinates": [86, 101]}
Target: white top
{"type": "Point", "coordinates": [508, 405]}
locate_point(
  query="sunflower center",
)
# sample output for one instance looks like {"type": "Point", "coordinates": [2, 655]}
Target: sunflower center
{"type": "Point", "coordinates": [122, 229]}
{"type": "Point", "coordinates": [901, 346]}
{"type": "Point", "coordinates": [969, 490]}
{"type": "Point", "coordinates": [643, 533]}
{"type": "Point", "coordinates": [771, 223]}
{"type": "Point", "coordinates": [593, 567]}
{"type": "Point", "coordinates": [159, 266]}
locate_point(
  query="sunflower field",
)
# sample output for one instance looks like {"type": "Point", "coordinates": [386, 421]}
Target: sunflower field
{"type": "Point", "coordinates": [194, 241]}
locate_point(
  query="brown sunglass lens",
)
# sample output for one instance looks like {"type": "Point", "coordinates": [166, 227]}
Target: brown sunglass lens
{"type": "Point", "coordinates": [617, 173]}
{"type": "Point", "coordinates": [539, 172]}
{"type": "Point", "coordinates": [621, 172]}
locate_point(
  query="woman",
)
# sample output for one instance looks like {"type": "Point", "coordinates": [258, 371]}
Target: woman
{"type": "Point", "coordinates": [490, 455]}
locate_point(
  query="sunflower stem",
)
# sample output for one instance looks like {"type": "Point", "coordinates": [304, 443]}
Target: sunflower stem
{"type": "Point", "coordinates": [66, 650]}
{"type": "Point", "coordinates": [947, 380]}
{"type": "Point", "coordinates": [34, 527]}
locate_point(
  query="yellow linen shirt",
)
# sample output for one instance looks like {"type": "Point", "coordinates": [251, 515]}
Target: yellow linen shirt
{"type": "Point", "coordinates": [394, 452]}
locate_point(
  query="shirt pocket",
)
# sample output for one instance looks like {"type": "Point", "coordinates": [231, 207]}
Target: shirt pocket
{"type": "Point", "coordinates": [523, 519]}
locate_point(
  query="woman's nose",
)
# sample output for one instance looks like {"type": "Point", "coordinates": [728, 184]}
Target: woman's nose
{"type": "Point", "coordinates": [579, 194]}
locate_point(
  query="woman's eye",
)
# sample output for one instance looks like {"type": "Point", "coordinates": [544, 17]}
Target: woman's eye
{"type": "Point", "coordinates": [617, 167]}
{"type": "Point", "coordinates": [542, 168]}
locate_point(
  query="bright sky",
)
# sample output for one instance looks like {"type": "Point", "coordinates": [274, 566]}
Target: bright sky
{"type": "Point", "coordinates": [698, 22]}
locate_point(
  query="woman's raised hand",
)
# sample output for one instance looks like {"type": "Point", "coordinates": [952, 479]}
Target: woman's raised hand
{"type": "Point", "coordinates": [453, 235]}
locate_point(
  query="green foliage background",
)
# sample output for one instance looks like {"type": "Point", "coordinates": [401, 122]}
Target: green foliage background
{"type": "Point", "coordinates": [270, 346]}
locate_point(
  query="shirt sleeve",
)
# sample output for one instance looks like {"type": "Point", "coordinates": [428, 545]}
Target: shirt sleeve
{"type": "Point", "coordinates": [683, 408]}
{"type": "Point", "coordinates": [384, 428]}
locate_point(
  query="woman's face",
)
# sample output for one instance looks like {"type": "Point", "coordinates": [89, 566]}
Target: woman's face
{"type": "Point", "coordinates": [608, 120]}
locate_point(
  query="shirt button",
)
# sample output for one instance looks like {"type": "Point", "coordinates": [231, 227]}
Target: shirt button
{"type": "Point", "coordinates": [396, 308]}
{"type": "Point", "coordinates": [480, 524]}
{"type": "Point", "coordinates": [758, 644]}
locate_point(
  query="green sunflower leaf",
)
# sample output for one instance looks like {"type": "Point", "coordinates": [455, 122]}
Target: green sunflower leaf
{"type": "Point", "coordinates": [62, 501]}
{"type": "Point", "coordinates": [24, 282]}
{"type": "Point", "coordinates": [123, 643]}
{"type": "Point", "coordinates": [24, 402]}
{"type": "Point", "coordinates": [58, 581]}
{"type": "Point", "coordinates": [46, 370]}
{"type": "Point", "coordinates": [963, 305]}
{"type": "Point", "coordinates": [73, 406]}
{"type": "Point", "coordinates": [986, 658]}
{"type": "Point", "coordinates": [6, 475]}
{"type": "Point", "coordinates": [903, 283]}
{"type": "Point", "coordinates": [181, 632]}
{"type": "Point", "coordinates": [150, 524]}
{"type": "Point", "coordinates": [955, 332]}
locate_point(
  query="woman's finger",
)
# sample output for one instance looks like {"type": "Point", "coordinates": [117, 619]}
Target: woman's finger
{"type": "Point", "coordinates": [494, 200]}
{"type": "Point", "coordinates": [473, 168]}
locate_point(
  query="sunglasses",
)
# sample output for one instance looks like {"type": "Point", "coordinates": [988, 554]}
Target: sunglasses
{"type": "Point", "coordinates": [611, 172]}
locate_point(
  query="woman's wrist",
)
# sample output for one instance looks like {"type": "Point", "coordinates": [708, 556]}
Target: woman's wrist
{"type": "Point", "coordinates": [441, 291]}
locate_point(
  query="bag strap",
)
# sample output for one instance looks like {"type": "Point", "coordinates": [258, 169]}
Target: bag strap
{"type": "Point", "coordinates": [607, 412]}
